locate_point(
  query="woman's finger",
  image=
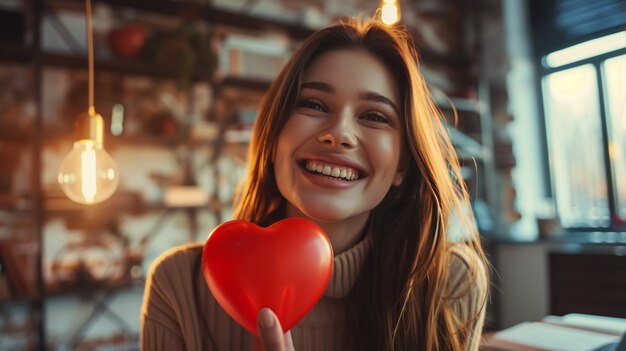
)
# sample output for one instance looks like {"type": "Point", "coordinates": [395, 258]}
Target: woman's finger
{"type": "Point", "coordinates": [289, 342]}
{"type": "Point", "coordinates": [270, 331]}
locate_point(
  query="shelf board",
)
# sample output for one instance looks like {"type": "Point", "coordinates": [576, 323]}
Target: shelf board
{"type": "Point", "coordinates": [467, 147]}
{"type": "Point", "coordinates": [135, 67]}
{"type": "Point", "coordinates": [246, 83]}
{"type": "Point", "coordinates": [140, 68]}
{"type": "Point", "coordinates": [207, 12]}
{"type": "Point", "coordinates": [56, 203]}
{"type": "Point", "coordinates": [461, 105]}
{"type": "Point", "coordinates": [15, 202]}
{"type": "Point", "coordinates": [19, 300]}
{"type": "Point", "coordinates": [445, 102]}
{"type": "Point", "coordinates": [91, 288]}
{"type": "Point", "coordinates": [457, 60]}
{"type": "Point", "coordinates": [142, 140]}
{"type": "Point", "coordinates": [16, 53]}
{"type": "Point", "coordinates": [11, 134]}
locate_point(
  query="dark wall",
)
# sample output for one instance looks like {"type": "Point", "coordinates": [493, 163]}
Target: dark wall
{"type": "Point", "coordinates": [557, 24]}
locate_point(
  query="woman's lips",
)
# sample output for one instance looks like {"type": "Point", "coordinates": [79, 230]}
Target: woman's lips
{"type": "Point", "coordinates": [328, 181]}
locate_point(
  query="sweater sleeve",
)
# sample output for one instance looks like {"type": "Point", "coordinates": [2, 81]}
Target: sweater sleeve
{"type": "Point", "coordinates": [468, 290]}
{"type": "Point", "coordinates": [160, 330]}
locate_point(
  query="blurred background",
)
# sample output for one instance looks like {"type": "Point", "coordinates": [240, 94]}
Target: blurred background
{"type": "Point", "coordinates": [534, 93]}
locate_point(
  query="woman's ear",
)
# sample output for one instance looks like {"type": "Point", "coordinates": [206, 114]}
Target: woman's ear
{"type": "Point", "coordinates": [403, 164]}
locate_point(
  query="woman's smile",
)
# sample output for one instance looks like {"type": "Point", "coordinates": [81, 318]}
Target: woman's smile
{"type": "Point", "coordinates": [330, 175]}
{"type": "Point", "coordinates": [335, 172]}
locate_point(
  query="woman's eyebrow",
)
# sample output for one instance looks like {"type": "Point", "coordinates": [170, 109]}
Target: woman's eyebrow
{"type": "Point", "coordinates": [325, 87]}
{"type": "Point", "coordinates": [376, 97]}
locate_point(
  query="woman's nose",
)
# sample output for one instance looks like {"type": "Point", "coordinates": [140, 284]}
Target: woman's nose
{"type": "Point", "coordinates": [340, 132]}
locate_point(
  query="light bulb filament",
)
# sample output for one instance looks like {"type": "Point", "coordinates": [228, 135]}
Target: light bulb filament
{"type": "Point", "coordinates": [88, 172]}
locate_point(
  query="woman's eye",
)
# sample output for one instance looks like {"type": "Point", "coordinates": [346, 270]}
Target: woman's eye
{"type": "Point", "coordinates": [312, 104]}
{"type": "Point", "coordinates": [377, 117]}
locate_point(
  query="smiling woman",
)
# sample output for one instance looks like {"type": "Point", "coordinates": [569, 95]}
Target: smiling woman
{"type": "Point", "coordinates": [347, 137]}
{"type": "Point", "coordinates": [340, 125]}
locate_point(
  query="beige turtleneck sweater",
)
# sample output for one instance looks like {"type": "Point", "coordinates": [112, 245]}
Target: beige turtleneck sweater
{"type": "Point", "coordinates": [172, 319]}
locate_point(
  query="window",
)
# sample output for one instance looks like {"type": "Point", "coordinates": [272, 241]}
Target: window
{"type": "Point", "coordinates": [615, 76]}
{"type": "Point", "coordinates": [584, 95]}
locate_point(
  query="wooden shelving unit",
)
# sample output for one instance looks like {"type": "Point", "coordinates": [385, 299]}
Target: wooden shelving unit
{"type": "Point", "coordinates": [42, 205]}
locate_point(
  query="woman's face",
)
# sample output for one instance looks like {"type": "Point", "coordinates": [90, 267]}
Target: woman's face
{"type": "Point", "coordinates": [338, 154]}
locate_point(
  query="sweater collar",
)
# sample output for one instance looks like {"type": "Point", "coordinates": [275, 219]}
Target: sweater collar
{"type": "Point", "coordinates": [346, 268]}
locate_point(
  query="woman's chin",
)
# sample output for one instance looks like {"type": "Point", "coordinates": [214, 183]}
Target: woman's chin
{"type": "Point", "coordinates": [326, 216]}
{"type": "Point", "coordinates": [326, 213]}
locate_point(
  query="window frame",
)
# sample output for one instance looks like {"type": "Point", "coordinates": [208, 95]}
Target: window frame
{"type": "Point", "coordinates": [615, 222]}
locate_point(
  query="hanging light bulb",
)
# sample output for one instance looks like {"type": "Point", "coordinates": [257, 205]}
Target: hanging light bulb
{"type": "Point", "coordinates": [390, 12]}
{"type": "Point", "coordinates": [88, 174]}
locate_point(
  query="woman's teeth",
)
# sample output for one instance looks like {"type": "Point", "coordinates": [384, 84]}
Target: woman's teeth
{"type": "Point", "coordinates": [343, 173]}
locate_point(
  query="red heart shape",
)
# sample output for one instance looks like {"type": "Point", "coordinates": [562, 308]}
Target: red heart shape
{"type": "Point", "coordinates": [285, 267]}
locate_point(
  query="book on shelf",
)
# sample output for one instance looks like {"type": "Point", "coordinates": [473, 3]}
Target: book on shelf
{"type": "Point", "coordinates": [252, 57]}
{"type": "Point", "coordinates": [571, 332]}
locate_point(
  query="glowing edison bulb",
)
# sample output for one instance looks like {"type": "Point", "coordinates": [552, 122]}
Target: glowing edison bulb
{"type": "Point", "coordinates": [88, 174]}
{"type": "Point", "coordinates": [390, 13]}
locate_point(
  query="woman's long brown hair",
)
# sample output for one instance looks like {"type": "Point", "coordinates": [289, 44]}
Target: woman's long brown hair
{"type": "Point", "coordinates": [400, 301]}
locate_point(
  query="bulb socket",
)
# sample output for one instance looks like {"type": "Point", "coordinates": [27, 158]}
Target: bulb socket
{"type": "Point", "coordinates": [89, 125]}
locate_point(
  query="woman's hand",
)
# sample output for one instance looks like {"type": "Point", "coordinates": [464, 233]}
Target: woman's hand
{"type": "Point", "coordinates": [271, 337]}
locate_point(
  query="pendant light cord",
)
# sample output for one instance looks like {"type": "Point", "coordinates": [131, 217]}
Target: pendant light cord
{"type": "Point", "coordinates": [92, 109]}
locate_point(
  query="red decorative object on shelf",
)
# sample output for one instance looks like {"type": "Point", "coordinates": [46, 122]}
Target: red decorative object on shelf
{"type": "Point", "coordinates": [128, 40]}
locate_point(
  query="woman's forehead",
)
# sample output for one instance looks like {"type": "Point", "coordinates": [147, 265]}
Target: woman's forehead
{"type": "Point", "coordinates": [353, 70]}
